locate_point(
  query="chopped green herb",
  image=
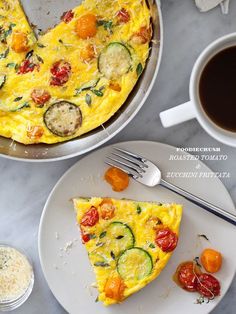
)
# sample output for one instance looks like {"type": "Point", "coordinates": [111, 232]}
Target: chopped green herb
{"type": "Point", "coordinates": [11, 65]}
{"type": "Point", "coordinates": [24, 105]}
{"type": "Point", "coordinates": [29, 54]}
{"type": "Point", "coordinates": [96, 299]}
{"type": "Point", "coordinates": [152, 246]}
{"type": "Point", "coordinates": [17, 99]}
{"type": "Point", "coordinates": [97, 92]}
{"type": "Point", "coordinates": [100, 244]}
{"type": "Point", "coordinates": [40, 59]}
{"type": "Point", "coordinates": [106, 24]}
{"type": "Point", "coordinates": [88, 99]}
{"type": "Point", "coordinates": [139, 69]}
{"type": "Point", "coordinates": [101, 264]}
{"type": "Point", "coordinates": [92, 236]}
{"type": "Point", "coordinates": [4, 54]}
{"type": "Point", "coordinates": [103, 234]}
{"type": "Point", "coordinates": [139, 210]}
{"type": "Point", "coordinates": [60, 41]}
{"type": "Point", "coordinates": [113, 255]}
{"type": "Point", "coordinates": [120, 237]}
{"type": "Point", "coordinates": [203, 236]}
{"type": "Point", "coordinates": [40, 45]}
{"type": "Point", "coordinates": [2, 80]}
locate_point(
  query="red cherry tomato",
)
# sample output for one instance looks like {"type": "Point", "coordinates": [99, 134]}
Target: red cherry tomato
{"type": "Point", "coordinates": [40, 96]}
{"type": "Point", "coordinates": [61, 71]}
{"type": "Point", "coordinates": [166, 239]}
{"type": "Point", "coordinates": [208, 286]}
{"type": "Point", "coordinates": [67, 16]}
{"type": "Point", "coordinates": [85, 236]}
{"type": "Point", "coordinates": [186, 276]}
{"type": "Point", "coordinates": [27, 66]}
{"type": "Point", "coordinates": [123, 16]}
{"type": "Point", "coordinates": [90, 218]}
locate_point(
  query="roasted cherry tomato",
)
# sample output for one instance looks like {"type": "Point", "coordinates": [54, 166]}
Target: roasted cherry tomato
{"type": "Point", "coordinates": [90, 218]}
{"type": "Point", "coordinates": [88, 53]}
{"type": "Point", "coordinates": [107, 209]}
{"type": "Point", "coordinates": [166, 239]}
{"type": "Point", "coordinates": [115, 86]}
{"type": "Point", "coordinates": [35, 132]}
{"type": "Point", "coordinates": [67, 16]}
{"type": "Point", "coordinates": [19, 42]}
{"type": "Point", "coordinates": [40, 96]}
{"type": "Point", "coordinates": [114, 288]}
{"type": "Point", "coordinates": [118, 179]}
{"type": "Point", "coordinates": [123, 16]}
{"type": "Point", "coordinates": [186, 276]}
{"type": "Point", "coordinates": [27, 66]}
{"type": "Point", "coordinates": [61, 71]}
{"type": "Point", "coordinates": [85, 236]}
{"type": "Point", "coordinates": [208, 286]}
{"type": "Point", "coordinates": [211, 260]}
{"type": "Point", "coordinates": [143, 36]}
{"type": "Point", "coordinates": [86, 26]}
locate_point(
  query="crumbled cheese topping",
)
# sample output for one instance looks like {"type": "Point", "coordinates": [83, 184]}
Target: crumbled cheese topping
{"type": "Point", "coordinates": [15, 274]}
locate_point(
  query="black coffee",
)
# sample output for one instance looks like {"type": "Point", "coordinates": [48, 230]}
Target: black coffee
{"type": "Point", "coordinates": [217, 89]}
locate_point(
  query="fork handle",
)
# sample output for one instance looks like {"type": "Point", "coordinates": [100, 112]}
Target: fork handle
{"type": "Point", "coordinates": [200, 202]}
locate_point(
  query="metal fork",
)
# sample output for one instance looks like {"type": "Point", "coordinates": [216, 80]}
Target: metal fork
{"type": "Point", "coordinates": [144, 171]}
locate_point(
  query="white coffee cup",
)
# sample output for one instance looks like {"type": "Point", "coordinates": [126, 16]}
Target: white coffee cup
{"type": "Point", "coordinates": [193, 108]}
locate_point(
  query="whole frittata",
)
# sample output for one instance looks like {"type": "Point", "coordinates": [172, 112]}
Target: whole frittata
{"type": "Point", "coordinates": [74, 77]}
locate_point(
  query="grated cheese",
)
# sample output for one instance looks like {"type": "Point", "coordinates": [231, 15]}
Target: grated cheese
{"type": "Point", "coordinates": [15, 274]}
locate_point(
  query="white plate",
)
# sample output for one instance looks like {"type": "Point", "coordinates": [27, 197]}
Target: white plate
{"type": "Point", "coordinates": [68, 272]}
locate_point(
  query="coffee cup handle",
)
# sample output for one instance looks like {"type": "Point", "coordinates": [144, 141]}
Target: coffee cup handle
{"type": "Point", "coordinates": [177, 114]}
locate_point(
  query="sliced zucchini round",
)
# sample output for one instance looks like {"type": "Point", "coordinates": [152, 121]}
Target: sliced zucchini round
{"type": "Point", "coordinates": [114, 61]}
{"type": "Point", "coordinates": [119, 237]}
{"type": "Point", "coordinates": [134, 264]}
{"type": "Point", "coordinates": [63, 118]}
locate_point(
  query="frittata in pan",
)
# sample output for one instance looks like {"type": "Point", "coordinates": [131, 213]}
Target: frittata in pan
{"type": "Point", "coordinates": [76, 76]}
{"type": "Point", "coordinates": [128, 242]}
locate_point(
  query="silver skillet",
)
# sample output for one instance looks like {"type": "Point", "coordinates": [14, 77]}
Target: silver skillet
{"type": "Point", "coordinates": [37, 11]}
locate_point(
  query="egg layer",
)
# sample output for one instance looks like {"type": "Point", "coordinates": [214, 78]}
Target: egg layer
{"type": "Point", "coordinates": [65, 64]}
{"type": "Point", "coordinates": [121, 242]}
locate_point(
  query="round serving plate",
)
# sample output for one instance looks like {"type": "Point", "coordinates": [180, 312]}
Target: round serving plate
{"type": "Point", "coordinates": [97, 137]}
{"type": "Point", "coordinates": [64, 259]}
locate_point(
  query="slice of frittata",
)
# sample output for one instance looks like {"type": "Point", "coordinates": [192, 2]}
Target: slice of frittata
{"type": "Point", "coordinates": [128, 242]}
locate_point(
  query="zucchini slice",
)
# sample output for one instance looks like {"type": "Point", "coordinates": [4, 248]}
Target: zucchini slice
{"type": "Point", "coordinates": [119, 237]}
{"type": "Point", "coordinates": [114, 61]}
{"type": "Point", "coordinates": [2, 80]}
{"type": "Point", "coordinates": [63, 118]}
{"type": "Point", "coordinates": [134, 264]}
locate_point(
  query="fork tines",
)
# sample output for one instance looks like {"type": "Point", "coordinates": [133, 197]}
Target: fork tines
{"type": "Point", "coordinates": [134, 165]}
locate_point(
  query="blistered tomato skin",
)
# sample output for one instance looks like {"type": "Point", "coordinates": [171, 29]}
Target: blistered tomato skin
{"type": "Point", "coordinates": [40, 97]}
{"type": "Point", "coordinates": [208, 286]}
{"type": "Point", "coordinates": [19, 42]}
{"type": "Point", "coordinates": [61, 71]}
{"type": "Point", "coordinates": [90, 218]}
{"type": "Point", "coordinates": [123, 16]}
{"type": "Point", "coordinates": [35, 132]}
{"type": "Point", "coordinates": [107, 209]}
{"type": "Point", "coordinates": [118, 179]}
{"type": "Point", "coordinates": [27, 66]}
{"type": "Point", "coordinates": [186, 276]}
{"type": "Point", "coordinates": [114, 288]}
{"type": "Point", "coordinates": [67, 16]}
{"type": "Point", "coordinates": [86, 26]}
{"type": "Point", "coordinates": [211, 260]}
{"type": "Point", "coordinates": [166, 239]}
{"type": "Point", "coordinates": [143, 36]}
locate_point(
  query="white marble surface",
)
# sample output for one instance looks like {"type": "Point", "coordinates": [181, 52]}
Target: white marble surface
{"type": "Point", "coordinates": [25, 186]}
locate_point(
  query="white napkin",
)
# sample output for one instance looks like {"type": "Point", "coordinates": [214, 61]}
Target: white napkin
{"type": "Point", "coordinates": [206, 5]}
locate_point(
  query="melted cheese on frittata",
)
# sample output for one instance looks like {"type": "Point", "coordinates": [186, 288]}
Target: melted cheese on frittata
{"type": "Point", "coordinates": [141, 219]}
{"type": "Point", "coordinates": [18, 112]}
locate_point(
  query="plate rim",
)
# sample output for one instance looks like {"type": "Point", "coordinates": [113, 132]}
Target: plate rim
{"type": "Point", "coordinates": [71, 168]}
